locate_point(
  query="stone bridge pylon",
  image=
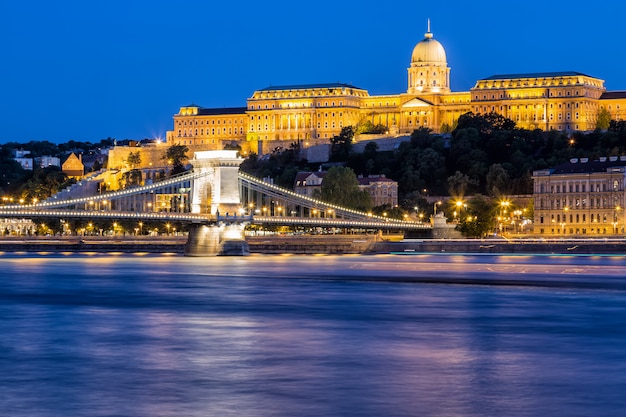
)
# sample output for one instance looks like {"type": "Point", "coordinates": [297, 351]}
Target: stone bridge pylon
{"type": "Point", "coordinates": [216, 193]}
{"type": "Point", "coordinates": [218, 190]}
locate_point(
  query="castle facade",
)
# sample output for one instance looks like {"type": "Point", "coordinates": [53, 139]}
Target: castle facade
{"type": "Point", "coordinates": [311, 114]}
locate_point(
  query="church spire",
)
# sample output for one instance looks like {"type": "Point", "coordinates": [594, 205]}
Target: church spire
{"type": "Point", "coordinates": [428, 34]}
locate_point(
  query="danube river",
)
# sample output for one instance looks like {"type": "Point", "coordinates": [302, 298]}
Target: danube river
{"type": "Point", "coordinates": [382, 335]}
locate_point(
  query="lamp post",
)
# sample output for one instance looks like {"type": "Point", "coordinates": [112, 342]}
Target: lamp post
{"type": "Point", "coordinates": [460, 205]}
{"type": "Point", "coordinates": [504, 206]}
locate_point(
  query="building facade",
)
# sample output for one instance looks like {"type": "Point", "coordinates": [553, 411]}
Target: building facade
{"type": "Point", "coordinates": [73, 166]}
{"type": "Point", "coordinates": [276, 117]}
{"type": "Point", "coordinates": [581, 197]}
{"type": "Point", "coordinates": [382, 190]}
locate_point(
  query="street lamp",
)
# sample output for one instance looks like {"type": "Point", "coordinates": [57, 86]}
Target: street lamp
{"type": "Point", "coordinates": [504, 205]}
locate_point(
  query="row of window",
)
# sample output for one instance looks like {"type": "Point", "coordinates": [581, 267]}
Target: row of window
{"type": "Point", "coordinates": [266, 128]}
{"type": "Point", "coordinates": [195, 122]}
{"type": "Point", "coordinates": [579, 218]}
{"type": "Point", "coordinates": [597, 186]}
{"type": "Point", "coordinates": [599, 231]}
{"type": "Point", "coordinates": [319, 115]}
{"type": "Point", "coordinates": [527, 95]}
{"type": "Point", "coordinates": [183, 133]}
{"type": "Point", "coordinates": [576, 203]}
{"type": "Point", "coordinates": [318, 104]}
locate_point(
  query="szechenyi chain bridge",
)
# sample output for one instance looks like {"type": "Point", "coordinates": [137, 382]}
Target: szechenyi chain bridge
{"type": "Point", "coordinates": [216, 200]}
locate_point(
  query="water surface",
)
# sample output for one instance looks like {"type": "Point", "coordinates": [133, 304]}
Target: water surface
{"type": "Point", "coordinates": [128, 335]}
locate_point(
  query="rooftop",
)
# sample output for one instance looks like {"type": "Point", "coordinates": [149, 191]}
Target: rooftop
{"type": "Point", "coordinates": [612, 95]}
{"type": "Point", "coordinates": [221, 110]}
{"type": "Point", "coordinates": [537, 75]}
{"type": "Point", "coordinates": [584, 166]}
{"type": "Point", "coordinates": [308, 86]}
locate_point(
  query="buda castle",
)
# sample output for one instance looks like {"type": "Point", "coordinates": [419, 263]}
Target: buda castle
{"type": "Point", "coordinates": [311, 114]}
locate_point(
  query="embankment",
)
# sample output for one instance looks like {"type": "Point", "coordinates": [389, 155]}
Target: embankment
{"type": "Point", "coordinates": [322, 244]}
{"type": "Point", "coordinates": [174, 244]}
{"type": "Point", "coordinates": [556, 246]}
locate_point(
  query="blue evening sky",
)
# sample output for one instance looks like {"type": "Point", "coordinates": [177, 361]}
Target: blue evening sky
{"type": "Point", "coordinates": [87, 70]}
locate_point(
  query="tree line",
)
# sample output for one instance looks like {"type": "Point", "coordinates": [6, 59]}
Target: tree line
{"type": "Point", "coordinates": [486, 156]}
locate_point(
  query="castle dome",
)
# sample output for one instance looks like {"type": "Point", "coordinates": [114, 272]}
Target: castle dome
{"type": "Point", "coordinates": [429, 50]}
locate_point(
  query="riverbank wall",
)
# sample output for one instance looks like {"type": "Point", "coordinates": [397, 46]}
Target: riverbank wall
{"type": "Point", "coordinates": [557, 246]}
{"type": "Point", "coordinates": [74, 244]}
{"type": "Point", "coordinates": [322, 244]}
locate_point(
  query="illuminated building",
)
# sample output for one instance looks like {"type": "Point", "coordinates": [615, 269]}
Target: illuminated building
{"type": "Point", "coordinates": [382, 190]}
{"type": "Point", "coordinates": [73, 166]}
{"type": "Point", "coordinates": [581, 197]}
{"type": "Point", "coordinates": [276, 117]}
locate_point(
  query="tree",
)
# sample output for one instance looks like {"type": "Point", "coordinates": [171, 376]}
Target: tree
{"type": "Point", "coordinates": [341, 187]}
{"type": "Point", "coordinates": [603, 119]}
{"type": "Point", "coordinates": [44, 183]}
{"type": "Point", "coordinates": [341, 145]}
{"type": "Point", "coordinates": [459, 183]}
{"type": "Point", "coordinates": [367, 127]}
{"type": "Point", "coordinates": [134, 159]}
{"type": "Point", "coordinates": [176, 155]}
{"type": "Point", "coordinates": [12, 176]}
{"type": "Point", "coordinates": [498, 181]}
{"type": "Point", "coordinates": [131, 178]}
{"type": "Point", "coordinates": [486, 124]}
{"type": "Point", "coordinates": [479, 220]}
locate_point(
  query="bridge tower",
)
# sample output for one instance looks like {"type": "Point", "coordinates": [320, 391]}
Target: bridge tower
{"type": "Point", "coordinates": [216, 193]}
{"type": "Point", "coordinates": [218, 190]}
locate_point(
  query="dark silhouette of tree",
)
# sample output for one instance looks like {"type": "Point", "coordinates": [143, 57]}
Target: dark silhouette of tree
{"type": "Point", "coordinates": [603, 121]}
{"type": "Point", "coordinates": [341, 145]}
{"type": "Point", "coordinates": [340, 186]}
{"type": "Point", "coordinates": [479, 220]}
{"type": "Point", "coordinates": [176, 155]}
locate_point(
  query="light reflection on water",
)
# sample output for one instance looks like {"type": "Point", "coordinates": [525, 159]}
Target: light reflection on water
{"type": "Point", "coordinates": [128, 335]}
